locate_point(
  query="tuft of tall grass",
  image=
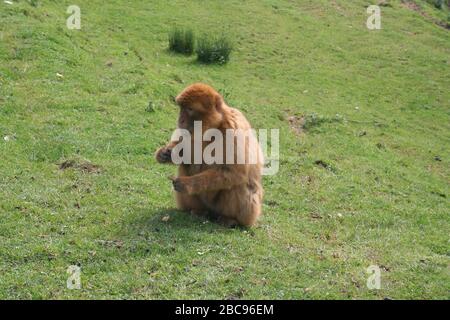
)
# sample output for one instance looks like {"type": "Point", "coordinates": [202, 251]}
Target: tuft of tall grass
{"type": "Point", "coordinates": [182, 41]}
{"type": "Point", "coordinates": [439, 3]}
{"type": "Point", "coordinates": [213, 49]}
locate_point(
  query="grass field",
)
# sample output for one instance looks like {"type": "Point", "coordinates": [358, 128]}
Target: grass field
{"type": "Point", "coordinates": [364, 181]}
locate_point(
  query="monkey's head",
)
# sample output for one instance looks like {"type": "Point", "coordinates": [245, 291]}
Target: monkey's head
{"type": "Point", "coordinates": [200, 102]}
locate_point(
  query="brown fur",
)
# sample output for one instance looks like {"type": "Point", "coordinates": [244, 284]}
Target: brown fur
{"type": "Point", "coordinates": [232, 192]}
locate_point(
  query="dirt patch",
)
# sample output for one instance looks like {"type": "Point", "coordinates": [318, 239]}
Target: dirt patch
{"type": "Point", "coordinates": [81, 165]}
{"type": "Point", "coordinates": [303, 123]}
{"type": "Point", "coordinates": [415, 7]}
{"type": "Point", "coordinates": [297, 123]}
{"type": "Point", "coordinates": [338, 8]}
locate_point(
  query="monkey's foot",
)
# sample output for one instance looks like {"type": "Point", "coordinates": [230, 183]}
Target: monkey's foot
{"type": "Point", "coordinates": [227, 222]}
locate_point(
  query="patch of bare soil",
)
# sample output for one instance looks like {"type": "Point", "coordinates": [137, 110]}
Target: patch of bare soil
{"type": "Point", "coordinates": [338, 8]}
{"type": "Point", "coordinates": [296, 123]}
{"type": "Point", "coordinates": [415, 7]}
{"type": "Point", "coordinates": [84, 166]}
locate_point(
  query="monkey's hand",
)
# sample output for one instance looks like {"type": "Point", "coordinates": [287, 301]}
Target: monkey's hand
{"type": "Point", "coordinates": [164, 155]}
{"type": "Point", "coordinates": [182, 185]}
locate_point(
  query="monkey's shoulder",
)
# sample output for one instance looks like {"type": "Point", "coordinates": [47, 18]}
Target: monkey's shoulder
{"type": "Point", "coordinates": [237, 120]}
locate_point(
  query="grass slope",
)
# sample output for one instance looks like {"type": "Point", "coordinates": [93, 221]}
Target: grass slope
{"type": "Point", "coordinates": [381, 200]}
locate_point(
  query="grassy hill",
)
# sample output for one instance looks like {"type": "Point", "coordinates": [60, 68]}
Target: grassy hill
{"type": "Point", "coordinates": [364, 139]}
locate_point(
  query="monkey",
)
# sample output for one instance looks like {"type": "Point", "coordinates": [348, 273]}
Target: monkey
{"type": "Point", "coordinates": [231, 191]}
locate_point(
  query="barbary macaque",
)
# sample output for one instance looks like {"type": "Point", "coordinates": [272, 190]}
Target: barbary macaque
{"type": "Point", "coordinates": [229, 187]}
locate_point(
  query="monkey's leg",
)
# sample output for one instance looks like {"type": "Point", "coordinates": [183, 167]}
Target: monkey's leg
{"type": "Point", "coordinates": [210, 180]}
{"type": "Point", "coordinates": [189, 203]}
{"type": "Point", "coordinates": [240, 205]}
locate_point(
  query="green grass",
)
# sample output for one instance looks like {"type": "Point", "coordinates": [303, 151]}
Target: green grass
{"type": "Point", "coordinates": [213, 49]}
{"type": "Point", "coordinates": [182, 41]}
{"type": "Point", "coordinates": [369, 187]}
{"type": "Point", "coordinates": [439, 4]}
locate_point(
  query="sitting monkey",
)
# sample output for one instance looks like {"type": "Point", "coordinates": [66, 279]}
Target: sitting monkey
{"type": "Point", "coordinates": [230, 190]}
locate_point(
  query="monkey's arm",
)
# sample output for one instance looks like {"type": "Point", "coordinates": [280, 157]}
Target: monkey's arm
{"type": "Point", "coordinates": [212, 180]}
{"type": "Point", "coordinates": [164, 154]}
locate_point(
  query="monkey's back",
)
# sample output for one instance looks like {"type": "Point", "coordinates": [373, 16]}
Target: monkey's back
{"type": "Point", "coordinates": [242, 200]}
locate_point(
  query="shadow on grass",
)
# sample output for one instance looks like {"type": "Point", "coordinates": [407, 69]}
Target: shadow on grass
{"type": "Point", "coordinates": [174, 54]}
{"type": "Point", "coordinates": [167, 224]}
{"type": "Point", "coordinates": [169, 233]}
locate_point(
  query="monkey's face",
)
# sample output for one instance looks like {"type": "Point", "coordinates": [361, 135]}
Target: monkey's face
{"type": "Point", "coordinates": [188, 114]}
{"type": "Point", "coordinates": [199, 102]}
